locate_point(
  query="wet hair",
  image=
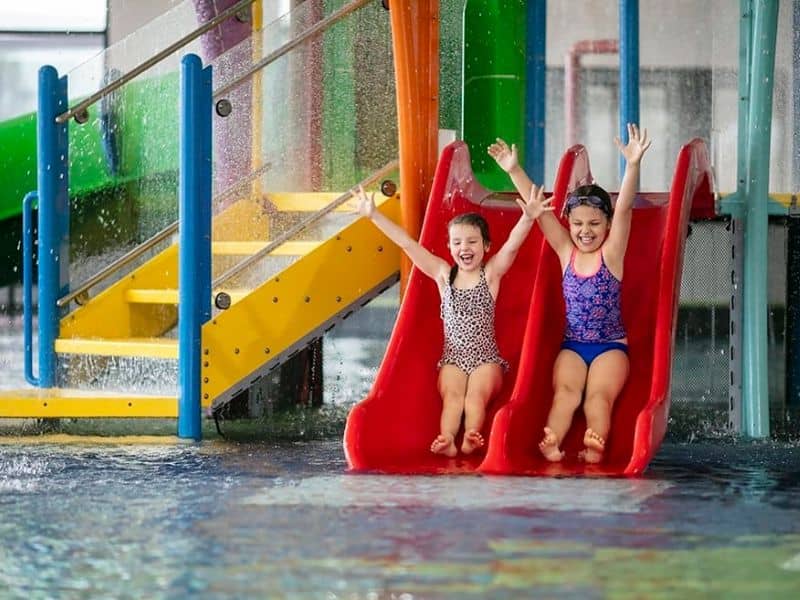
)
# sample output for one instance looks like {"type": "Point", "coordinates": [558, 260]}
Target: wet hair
{"type": "Point", "coordinates": [589, 195]}
{"type": "Point", "coordinates": [473, 219]}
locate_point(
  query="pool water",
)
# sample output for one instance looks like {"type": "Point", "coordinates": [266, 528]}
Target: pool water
{"type": "Point", "coordinates": [90, 517]}
{"type": "Point", "coordinates": [136, 517]}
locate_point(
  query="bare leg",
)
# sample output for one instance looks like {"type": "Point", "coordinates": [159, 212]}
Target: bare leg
{"type": "Point", "coordinates": [607, 376]}
{"type": "Point", "coordinates": [453, 389]}
{"type": "Point", "coordinates": [569, 378]}
{"type": "Point", "coordinates": [483, 383]}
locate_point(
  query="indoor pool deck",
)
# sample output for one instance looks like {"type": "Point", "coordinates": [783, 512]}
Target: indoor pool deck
{"type": "Point", "coordinates": [127, 519]}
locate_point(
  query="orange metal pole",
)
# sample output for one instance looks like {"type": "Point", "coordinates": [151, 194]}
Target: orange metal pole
{"type": "Point", "coordinates": [415, 41]}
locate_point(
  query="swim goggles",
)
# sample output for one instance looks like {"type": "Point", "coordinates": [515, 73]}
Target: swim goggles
{"type": "Point", "coordinates": [593, 201]}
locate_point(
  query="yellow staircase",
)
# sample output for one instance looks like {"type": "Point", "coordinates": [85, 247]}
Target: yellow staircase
{"type": "Point", "coordinates": [265, 324]}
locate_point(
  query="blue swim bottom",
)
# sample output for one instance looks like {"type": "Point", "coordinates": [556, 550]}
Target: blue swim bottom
{"type": "Point", "coordinates": [588, 351]}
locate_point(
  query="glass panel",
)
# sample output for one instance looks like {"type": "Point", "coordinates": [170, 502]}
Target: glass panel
{"type": "Point", "coordinates": [21, 56]}
{"type": "Point", "coordinates": [725, 70]}
{"type": "Point", "coordinates": [317, 120]}
{"type": "Point", "coordinates": [451, 53]}
{"type": "Point", "coordinates": [783, 125]}
{"type": "Point", "coordinates": [124, 159]}
{"type": "Point", "coordinates": [124, 182]}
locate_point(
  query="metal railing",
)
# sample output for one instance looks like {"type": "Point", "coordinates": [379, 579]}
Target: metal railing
{"type": "Point", "coordinates": [79, 110]}
{"type": "Point", "coordinates": [80, 292]}
{"type": "Point", "coordinates": [302, 225]}
{"type": "Point", "coordinates": [322, 25]}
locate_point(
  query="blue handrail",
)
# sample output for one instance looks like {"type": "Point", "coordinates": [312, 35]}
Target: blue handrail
{"type": "Point", "coordinates": [27, 283]}
{"type": "Point", "coordinates": [53, 191]}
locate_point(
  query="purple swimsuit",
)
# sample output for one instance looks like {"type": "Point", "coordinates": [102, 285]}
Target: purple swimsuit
{"type": "Point", "coordinates": [593, 305]}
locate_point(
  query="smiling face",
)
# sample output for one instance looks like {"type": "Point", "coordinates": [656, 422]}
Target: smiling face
{"type": "Point", "coordinates": [467, 246]}
{"type": "Point", "coordinates": [588, 227]}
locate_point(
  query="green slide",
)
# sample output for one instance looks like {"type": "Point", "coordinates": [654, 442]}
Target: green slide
{"type": "Point", "coordinates": [110, 151]}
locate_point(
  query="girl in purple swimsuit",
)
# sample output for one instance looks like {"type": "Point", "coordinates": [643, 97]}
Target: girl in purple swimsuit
{"type": "Point", "coordinates": [592, 365]}
{"type": "Point", "coordinates": [471, 368]}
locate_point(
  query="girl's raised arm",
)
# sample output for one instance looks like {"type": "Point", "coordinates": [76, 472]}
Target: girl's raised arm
{"type": "Point", "coordinates": [554, 233]}
{"type": "Point", "coordinates": [430, 264]}
{"type": "Point", "coordinates": [617, 242]}
{"type": "Point", "coordinates": [533, 209]}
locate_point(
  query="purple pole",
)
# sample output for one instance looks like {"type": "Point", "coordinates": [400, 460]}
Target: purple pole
{"type": "Point", "coordinates": [232, 133]}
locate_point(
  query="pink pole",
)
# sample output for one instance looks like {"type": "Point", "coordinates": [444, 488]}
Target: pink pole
{"type": "Point", "coordinates": [571, 72]}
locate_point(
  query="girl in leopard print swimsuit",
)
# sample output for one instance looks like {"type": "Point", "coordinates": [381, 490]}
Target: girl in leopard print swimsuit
{"type": "Point", "coordinates": [471, 368]}
{"type": "Point", "coordinates": [468, 317]}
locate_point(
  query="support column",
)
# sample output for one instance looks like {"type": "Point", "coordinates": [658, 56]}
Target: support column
{"type": "Point", "coordinates": [493, 89]}
{"type": "Point", "coordinates": [628, 70]}
{"type": "Point", "coordinates": [194, 231]}
{"type": "Point", "coordinates": [415, 43]}
{"type": "Point", "coordinates": [535, 88]}
{"type": "Point", "coordinates": [53, 183]}
{"type": "Point", "coordinates": [755, 390]}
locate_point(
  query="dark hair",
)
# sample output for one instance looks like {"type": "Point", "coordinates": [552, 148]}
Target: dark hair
{"type": "Point", "coordinates": [589, 195]}
{"type": "Point", "coordinates": [473, 219]}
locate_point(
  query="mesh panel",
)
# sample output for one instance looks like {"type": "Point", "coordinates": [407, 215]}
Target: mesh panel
{"type": "Point", "coordinates": [701, 366]}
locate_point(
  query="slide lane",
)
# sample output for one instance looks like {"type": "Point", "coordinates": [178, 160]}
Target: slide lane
{"type": "Point", "coordinates": [651, 287]}
{"type": "Point", "coordinates": [392, 429]}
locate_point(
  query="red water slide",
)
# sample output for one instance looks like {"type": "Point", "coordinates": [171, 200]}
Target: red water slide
{"type": "Point", "coordinates": [651, 285]}
{"type": "Point", "coordinates": [392, 429]}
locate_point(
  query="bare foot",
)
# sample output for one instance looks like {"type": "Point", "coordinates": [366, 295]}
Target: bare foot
{"type": "Point", "coordinates": [444, 444]}
{"type": "Point", "coordinates": [472, 441]}
{"type": "Point", "coordinates": [595, 446]}
{"type": "Point", "coordinates": [549, 446]}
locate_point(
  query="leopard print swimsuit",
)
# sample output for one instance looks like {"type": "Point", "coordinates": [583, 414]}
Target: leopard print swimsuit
{"type": "Point", "coordinates": [468, 317]}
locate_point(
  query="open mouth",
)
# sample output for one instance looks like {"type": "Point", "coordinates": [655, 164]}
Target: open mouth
{"type": "Point", "coordinates": [466, 258]}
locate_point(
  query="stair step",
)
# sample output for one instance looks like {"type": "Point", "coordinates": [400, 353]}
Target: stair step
{"type": "Point", "coordinates": [235, 248]}
{"type": "Point", "coordinates": [302, 201]}
{"type": "Point", "coordinates": [70, 403]}
{"type": "Point", "coordinates": [170, 296]}
{"type": "Point", "coordinates": [144, 347]}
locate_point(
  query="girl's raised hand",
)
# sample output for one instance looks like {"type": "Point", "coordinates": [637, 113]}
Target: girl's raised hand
{"type": "Point", "coordinates": [536, 204]}
{"type": "Point", "coordinates": [637, 145]}
{"type": "Point", "coordinates": [366, 204]}
{"type": "Point", "coordinates": [504, 156]}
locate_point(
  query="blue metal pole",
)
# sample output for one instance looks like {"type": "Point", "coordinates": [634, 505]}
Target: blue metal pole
{"type": "Point", "coordinates": [628, 70]}
{"type": "Point", "coordinates": [535, 88]}
{"type": "Point", "coordinates": [52, 152]}
{"type": "Point", "coordinates": [194, 233]}
{"type": "Point", "coordinates": [755, 389]}
{"type": "Point", "coordinates": [27, 284]}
